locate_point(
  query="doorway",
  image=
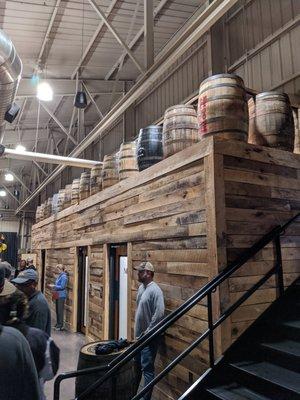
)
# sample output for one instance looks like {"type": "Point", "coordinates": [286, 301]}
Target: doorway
{"type": "Point", "coordinates": [118, 291]}
{"type": "Point", "coordinates": [82, 293]}
{"type": "Point", "coordinates": [43, 266]}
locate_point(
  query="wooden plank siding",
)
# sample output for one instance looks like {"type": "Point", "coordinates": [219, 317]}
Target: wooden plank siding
{"type": "Point", "coordinates": [189, 215]}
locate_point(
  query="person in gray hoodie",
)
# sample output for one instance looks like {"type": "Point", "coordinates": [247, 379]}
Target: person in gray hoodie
{"type": "Point", "coordinates": [150, 310]}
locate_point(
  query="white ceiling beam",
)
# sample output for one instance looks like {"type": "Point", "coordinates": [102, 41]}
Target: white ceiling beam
{"type": "Point", "coordinates": [58, 123]}
{"type": "Point", "coordinates": [116, 35]}
{"type": "Point", "coordinates": [47, 36]}
{"type": "Point", "coordinates": [136, 39]}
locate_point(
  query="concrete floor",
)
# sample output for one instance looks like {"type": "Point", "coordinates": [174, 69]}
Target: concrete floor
{"type": "Point", "coordinates": [69, 344]}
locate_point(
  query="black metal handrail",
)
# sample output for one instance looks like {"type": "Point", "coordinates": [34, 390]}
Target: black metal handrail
{"type": "Point", "coordinates": [205, 291]}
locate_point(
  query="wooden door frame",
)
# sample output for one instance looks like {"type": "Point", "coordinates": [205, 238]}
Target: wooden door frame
{"type": "Point", "coordinates": [106, 288]}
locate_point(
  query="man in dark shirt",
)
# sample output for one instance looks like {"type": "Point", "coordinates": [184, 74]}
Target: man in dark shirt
{"type": "Point", "coordinates": [39, 311]}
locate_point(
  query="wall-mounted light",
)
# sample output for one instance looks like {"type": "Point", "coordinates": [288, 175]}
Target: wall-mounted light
{"type": "Point", "coordinates": [9, 177]}
{"type": "Point", "coordinates": [44, 92]}
{"type": "Point", "coordinates": [2, 193]}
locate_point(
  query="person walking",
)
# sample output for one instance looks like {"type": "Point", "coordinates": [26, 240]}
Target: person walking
{"type": "Point", "coordinates": [150, 310]}
{"type": "Point", "coordinates": [18, 374]}
{"type": "Point", "coordinates": [59, 294]}
{"type": "Point", "coordinates": [39, 311]}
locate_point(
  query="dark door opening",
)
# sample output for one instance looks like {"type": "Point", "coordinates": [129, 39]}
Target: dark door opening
{"type": "Point", "coordinates": [43, 266]}
{"type": "Point", "coordinates": [118, 291]}
{"type": "Point", "coordinates": [82, 289]}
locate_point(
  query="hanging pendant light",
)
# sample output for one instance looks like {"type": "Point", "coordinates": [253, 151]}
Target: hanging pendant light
{"type": "Point", "coordinates": [80, 100]}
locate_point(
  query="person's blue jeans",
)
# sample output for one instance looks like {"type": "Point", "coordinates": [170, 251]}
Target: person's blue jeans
{"type": "Point", "coordinates": [145, 365]}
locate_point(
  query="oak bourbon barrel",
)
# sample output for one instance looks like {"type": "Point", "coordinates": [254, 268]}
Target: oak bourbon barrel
{"type": "Point", "coordinates": [110, 175]}
{"type": "Point", "coordinates": [274, 123]}
{"type": "Point", "coordinates": [222, 107]}
{"type": "Point", "coordinates": [39, 215]}
{"type": "Point", "coordinates": [60, 200]}
{"type": "Point", "coordinates": [180, 129]}
{"type": "Point", "coordinates": [84, 185]}
{"type": "Point", "coordinates": [75, 191]}
{"type": "Point", "coordinates": [68, 196]}
{"type": "Point", "coordinates": [48, 208]}
{"type": "Point", "coordinates": [149, 146]}
{"type": "Point", "coordinates": [127, 164]}
{"type": "Point", "coordinates": [96, 180]}
{"type": "Point", "coordinates": [126, 383]}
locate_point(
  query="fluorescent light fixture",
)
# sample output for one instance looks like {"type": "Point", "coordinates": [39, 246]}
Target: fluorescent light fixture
{"type": "Point", "coordinates": [20, 148]}
{"type": "Point", "coordinates": [9, 177]}
{"type": "Point", "coordinates": [44, 91]}
{"type": "Point", "coordinates": [2, 193]}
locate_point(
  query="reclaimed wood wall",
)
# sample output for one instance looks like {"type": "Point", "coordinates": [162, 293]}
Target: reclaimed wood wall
{"type": "Point", "coordinates": [189, 215]}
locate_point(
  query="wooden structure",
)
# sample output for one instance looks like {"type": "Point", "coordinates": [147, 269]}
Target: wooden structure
{"type": "Point", "coordinates": [189, 215]}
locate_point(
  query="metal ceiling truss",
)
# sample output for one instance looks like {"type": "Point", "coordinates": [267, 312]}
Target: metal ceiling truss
{"type": "Point", "coordinates": [203, 20]}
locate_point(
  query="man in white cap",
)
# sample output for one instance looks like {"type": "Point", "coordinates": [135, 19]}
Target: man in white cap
{"type": "Point", "coordinates": [18, 373]}
{"type": "Point", "coordinates": [150, 310]}
{"type": "Point", "coordinates": [39, 311]}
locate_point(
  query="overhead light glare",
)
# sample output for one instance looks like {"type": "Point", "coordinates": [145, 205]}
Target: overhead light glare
{"type": "Point", "coordinates": [44, 92]}
{"type": "Point", "coordinates": [2, 193]}
{"type": "Point", "coordinates": [20, 148]}
{"type": "Point", "coordinates": [9, 177]}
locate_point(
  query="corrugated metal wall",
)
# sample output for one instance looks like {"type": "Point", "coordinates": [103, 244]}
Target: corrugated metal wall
{"type": "Point", "coordinates": [263, 44]}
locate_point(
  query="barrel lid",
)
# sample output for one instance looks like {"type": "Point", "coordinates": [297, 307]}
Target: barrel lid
{"type": "Point", "coordinates": [180, 106]}
{"type": "Point", "coordinates": [268, 94]}
{"type": "Point", "coordinates": [218, 76]}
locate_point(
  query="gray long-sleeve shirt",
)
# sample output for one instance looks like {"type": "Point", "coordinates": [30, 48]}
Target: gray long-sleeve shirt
{"type": "Point", "coordinates": [150, 308]}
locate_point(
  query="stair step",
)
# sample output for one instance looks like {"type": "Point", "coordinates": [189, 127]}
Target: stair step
{"type": "Point", "coordinates": [289, 347]}
{"type": "Point", "coordinates": [234, 391]}
{"type": "Point", "coordinates": [291, 328]}
{"type": "Point", "coordinates": [292, 324]}
{"type": "Point", "coordinates": [272, 373]}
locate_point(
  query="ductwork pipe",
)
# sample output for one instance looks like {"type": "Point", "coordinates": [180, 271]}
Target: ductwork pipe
{"type": "Point", "coordinates": [10, 75]}
{"type": "Point", "coordinates": [46, 158]}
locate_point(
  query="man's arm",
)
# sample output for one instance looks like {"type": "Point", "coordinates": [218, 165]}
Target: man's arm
{"type": "Point", "coordinates": [159, 307]}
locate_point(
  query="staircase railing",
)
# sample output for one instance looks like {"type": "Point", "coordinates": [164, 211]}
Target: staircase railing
{"type": "Point", "coordinates": [162, 326]}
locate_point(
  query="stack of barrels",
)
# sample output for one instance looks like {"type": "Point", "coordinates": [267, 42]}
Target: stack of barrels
{"type": "Point", "coordinates": [96, 180]}
{"type": "Point", "coordinates": [48, 207]}
{"type": "Point", "coordinates": [110, 174]}
{"type": "Point", "coordinates": [271, 121]}
{"type": "Point", "coordinates": [39, 215]}
{"type": "Point", "coordinates": [180, 129]}
{"type": "Point", "coordinates": [84, 185]}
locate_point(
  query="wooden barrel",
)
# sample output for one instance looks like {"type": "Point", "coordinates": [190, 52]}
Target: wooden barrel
{"type": "Point", "coordinates": [96, 180]}
{"type": "Point", "coordinates": [43, 209]}
{"type": "Point", "coordinates": [274, 120]}
{"type": "Point", "coordinates": [39, 215]}
{"type": "Point", "coordinates": [127, 165]}
{"type": "Point", "coordinates": [48, 208]}
{"type": "Point", "coordinates": [180, 129]}
{"type": "Point", "coordinates": [75, 191]}
{"type": "Point", "coordinates": [84, 185]}
{"type": "Point", "coordinates": [125, 382]}
{"type": "Point", "coordinates": [149, 146]}
{"type": "Point", "coordinates": [68, 196]}
{"type": "Point", "coordinates": [60, 200]}
{"type": "Point", "coordinates": [296, 115]}
{"type": "Point", "coordinates": [222, 107]}
{"type": "Point", "coordinates": [253, 136]}
{"type": "Point", "coordinates": [110, 175]}
{"type": "Point", "coordinates": [54, 203]}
